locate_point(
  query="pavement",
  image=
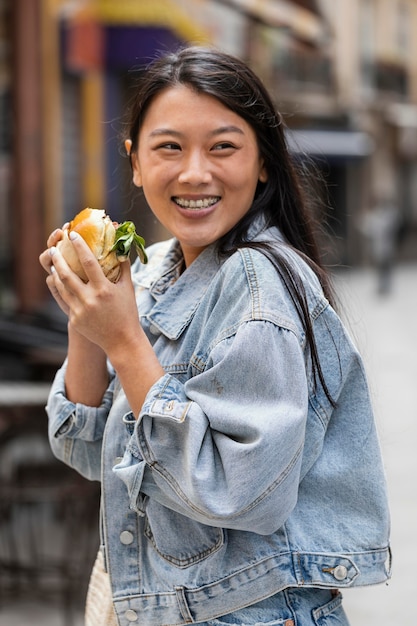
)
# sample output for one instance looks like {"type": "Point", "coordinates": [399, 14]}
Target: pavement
{"type": "Point", "coordinates": [36, 614]}
{"type": "Point", "coordinates": [384, 327]}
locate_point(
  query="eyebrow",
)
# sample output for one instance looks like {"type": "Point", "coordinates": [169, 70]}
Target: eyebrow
{"type": "Point", "coordinates": [218, 131]}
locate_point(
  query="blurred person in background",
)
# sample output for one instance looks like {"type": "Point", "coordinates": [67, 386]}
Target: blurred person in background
{"type": "Point", "coordinates": [215, 392]}
{"type": "Point", "coordinates": [381, 228]}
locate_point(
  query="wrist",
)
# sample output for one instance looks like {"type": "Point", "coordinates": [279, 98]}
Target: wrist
{"type": "Point", "coordinates": [86, 376]}
{"type": "Point", "coordinates": [127, 349]}
{"type": "Point", "coordinates": [137, 368]}
{"type": "Point", "coordinates": [78, 341]}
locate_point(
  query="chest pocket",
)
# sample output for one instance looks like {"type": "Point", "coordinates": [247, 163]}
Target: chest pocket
{"type": "Point", "coordinates": [178, 539]}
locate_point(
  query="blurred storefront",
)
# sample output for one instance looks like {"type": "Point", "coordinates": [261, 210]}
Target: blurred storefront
{"type": "Point", "coordinates": [73, 64]}
{"type": "Point", "coordinates": [345, 76]}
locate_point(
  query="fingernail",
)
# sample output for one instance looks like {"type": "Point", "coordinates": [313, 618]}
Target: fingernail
{"type": "Point", "coordinates": [52, 250]}
{"type": "Point", "coordinates": [73, 235]}
{"type": "Point", "coordinates": [53, 270]}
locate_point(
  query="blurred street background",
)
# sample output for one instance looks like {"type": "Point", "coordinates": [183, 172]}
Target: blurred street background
{"type": "Point", "coordinates": [344, 75]}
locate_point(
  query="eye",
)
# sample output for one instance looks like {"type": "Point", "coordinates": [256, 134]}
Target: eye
{"type": "Point", "coordinates": [169, 145]}
{"type": "Point", "coordinates": [223, 145]}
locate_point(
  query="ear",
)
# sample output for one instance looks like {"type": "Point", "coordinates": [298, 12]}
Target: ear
{"type": "Point", "coordinates": [263, 174]}
{"type": "Point", "coordinates": [137, 177]}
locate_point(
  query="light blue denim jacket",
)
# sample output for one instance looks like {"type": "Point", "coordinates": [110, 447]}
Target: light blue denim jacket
{"type": "Point", "coordinates": [238, 479]}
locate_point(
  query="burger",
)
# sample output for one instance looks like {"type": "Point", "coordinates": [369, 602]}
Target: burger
{"type": "Point", "coordinates": [110, 242]}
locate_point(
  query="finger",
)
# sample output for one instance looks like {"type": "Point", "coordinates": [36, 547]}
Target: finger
{"type": "Point", "coordinates": [125, 272]}
{"type": "Point", "coordinates": [87, 258]}
{"type": "Point", "coordinates": [50, 281]}
{"type": "Point", "coordinates": [64, 277]}
{"type": "Point", "coordinates": [54, 237]}
{"type": "Point", "coordinates": [46, 261]}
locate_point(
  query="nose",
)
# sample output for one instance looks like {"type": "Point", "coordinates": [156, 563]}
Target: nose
{"type": "Point", "coordinates": [195, 169]}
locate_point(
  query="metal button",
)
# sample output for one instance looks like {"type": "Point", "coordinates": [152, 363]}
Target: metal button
{"type": "Point", "coordinates": [66, 425]}
{"type": "Point", "coordinates": [128, 418]}
{"type": "Point", "coordinates": [131, 616]}
{"type": "Point", "coordinates": [153, 329]}
{"type": "Point", "coordinates": [126, 537]}
{"type": "Point", "coordinates": [340, 572]}
{"type": "Point", "coordinates": [118, 460]}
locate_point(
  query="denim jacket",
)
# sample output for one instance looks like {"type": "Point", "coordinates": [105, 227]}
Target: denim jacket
{"type": "Point", "coordinates": [239, 478]}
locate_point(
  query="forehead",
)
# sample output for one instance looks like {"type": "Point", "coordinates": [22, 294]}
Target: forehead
{"type": "Point", "coordinates": [183, 105]}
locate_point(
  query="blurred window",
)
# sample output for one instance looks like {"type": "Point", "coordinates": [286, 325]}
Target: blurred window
{"type": "Point", "coordinates": [367, 45]}
{"type": "Point", "coordinates": [403, 30]}
{"type": "Point", "coordinates": [295, 63]}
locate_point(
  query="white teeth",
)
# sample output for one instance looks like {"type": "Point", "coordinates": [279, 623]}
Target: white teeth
{"type": "Point", "coordinates": [196, 204]}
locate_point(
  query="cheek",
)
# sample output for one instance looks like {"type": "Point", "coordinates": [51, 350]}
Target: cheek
{"type": "Point", "coordinates": [154, 176]}
{"type": "Point", "coordinates": [249, 173]}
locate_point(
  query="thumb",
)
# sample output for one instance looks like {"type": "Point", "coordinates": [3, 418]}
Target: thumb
{"type": "Point", "coordinates": [125, 270]}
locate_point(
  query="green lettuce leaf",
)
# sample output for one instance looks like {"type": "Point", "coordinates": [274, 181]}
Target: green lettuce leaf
{"type": "Point", "coordinates": [126, 236]}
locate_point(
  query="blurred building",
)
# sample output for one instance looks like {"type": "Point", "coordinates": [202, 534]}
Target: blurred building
{"type": "Point", "coordinates": [374, 52]}
{"type": "Point", "coordinates": [344, 73]}
{"type": "Point", "coordinates": [347, 82]}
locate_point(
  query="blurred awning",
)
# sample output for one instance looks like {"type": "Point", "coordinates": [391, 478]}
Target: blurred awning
{"type": "Point", "coordinates": [143, 13]}
{"type": "Point", "coordinates": [123, 33]}
{"type": "Point", "coordinates": [330, 144]}
{"type": "Point", "coordinates": [302, 17]}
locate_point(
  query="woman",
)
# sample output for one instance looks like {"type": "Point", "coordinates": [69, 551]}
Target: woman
{"type": "Point", "coordinates": [215, 391]}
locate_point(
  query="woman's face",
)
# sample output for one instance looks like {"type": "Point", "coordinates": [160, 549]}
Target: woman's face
{"type": "Point", "coordinates": [199, 164]}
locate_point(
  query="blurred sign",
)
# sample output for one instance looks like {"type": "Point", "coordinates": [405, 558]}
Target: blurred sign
{"type": "Point", "coordinates": [85, 45]}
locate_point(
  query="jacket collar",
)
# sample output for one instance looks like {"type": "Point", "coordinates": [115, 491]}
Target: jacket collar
{"type": "Point", "coordinates": [177, 295]}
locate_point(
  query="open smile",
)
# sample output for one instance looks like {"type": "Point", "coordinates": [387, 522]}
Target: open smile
{"type": "Point", "coordinates": [202, 203]}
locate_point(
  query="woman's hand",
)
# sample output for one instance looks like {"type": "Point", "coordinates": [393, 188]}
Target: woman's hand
{"type": "Point", "coordinates": [101, 314]}
{"type": "Point", "coordinates": [104, 312]}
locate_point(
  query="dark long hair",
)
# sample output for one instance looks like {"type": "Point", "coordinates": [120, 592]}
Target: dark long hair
{"type": "Point", "coordinates": [281, 199]}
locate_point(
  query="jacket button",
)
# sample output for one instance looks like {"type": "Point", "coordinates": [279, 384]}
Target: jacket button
{"type": "Point", "coordinates": [340, 572]}
{"type": "Point", "coordinates": [131, 616]}
{"type": "Point", "coordinates": [126, 537]}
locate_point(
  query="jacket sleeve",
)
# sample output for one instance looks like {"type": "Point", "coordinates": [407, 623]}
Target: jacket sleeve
{"type": "Point", "coordinates": [75, 430]}
{"type": "Point", "coordinates": [225, 447]}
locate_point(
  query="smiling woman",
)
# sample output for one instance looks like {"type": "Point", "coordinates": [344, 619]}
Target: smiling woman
{"type": "Point", "coordinates": [215, 391]}
{"type": "Point", "coordinates": [199, 165]}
